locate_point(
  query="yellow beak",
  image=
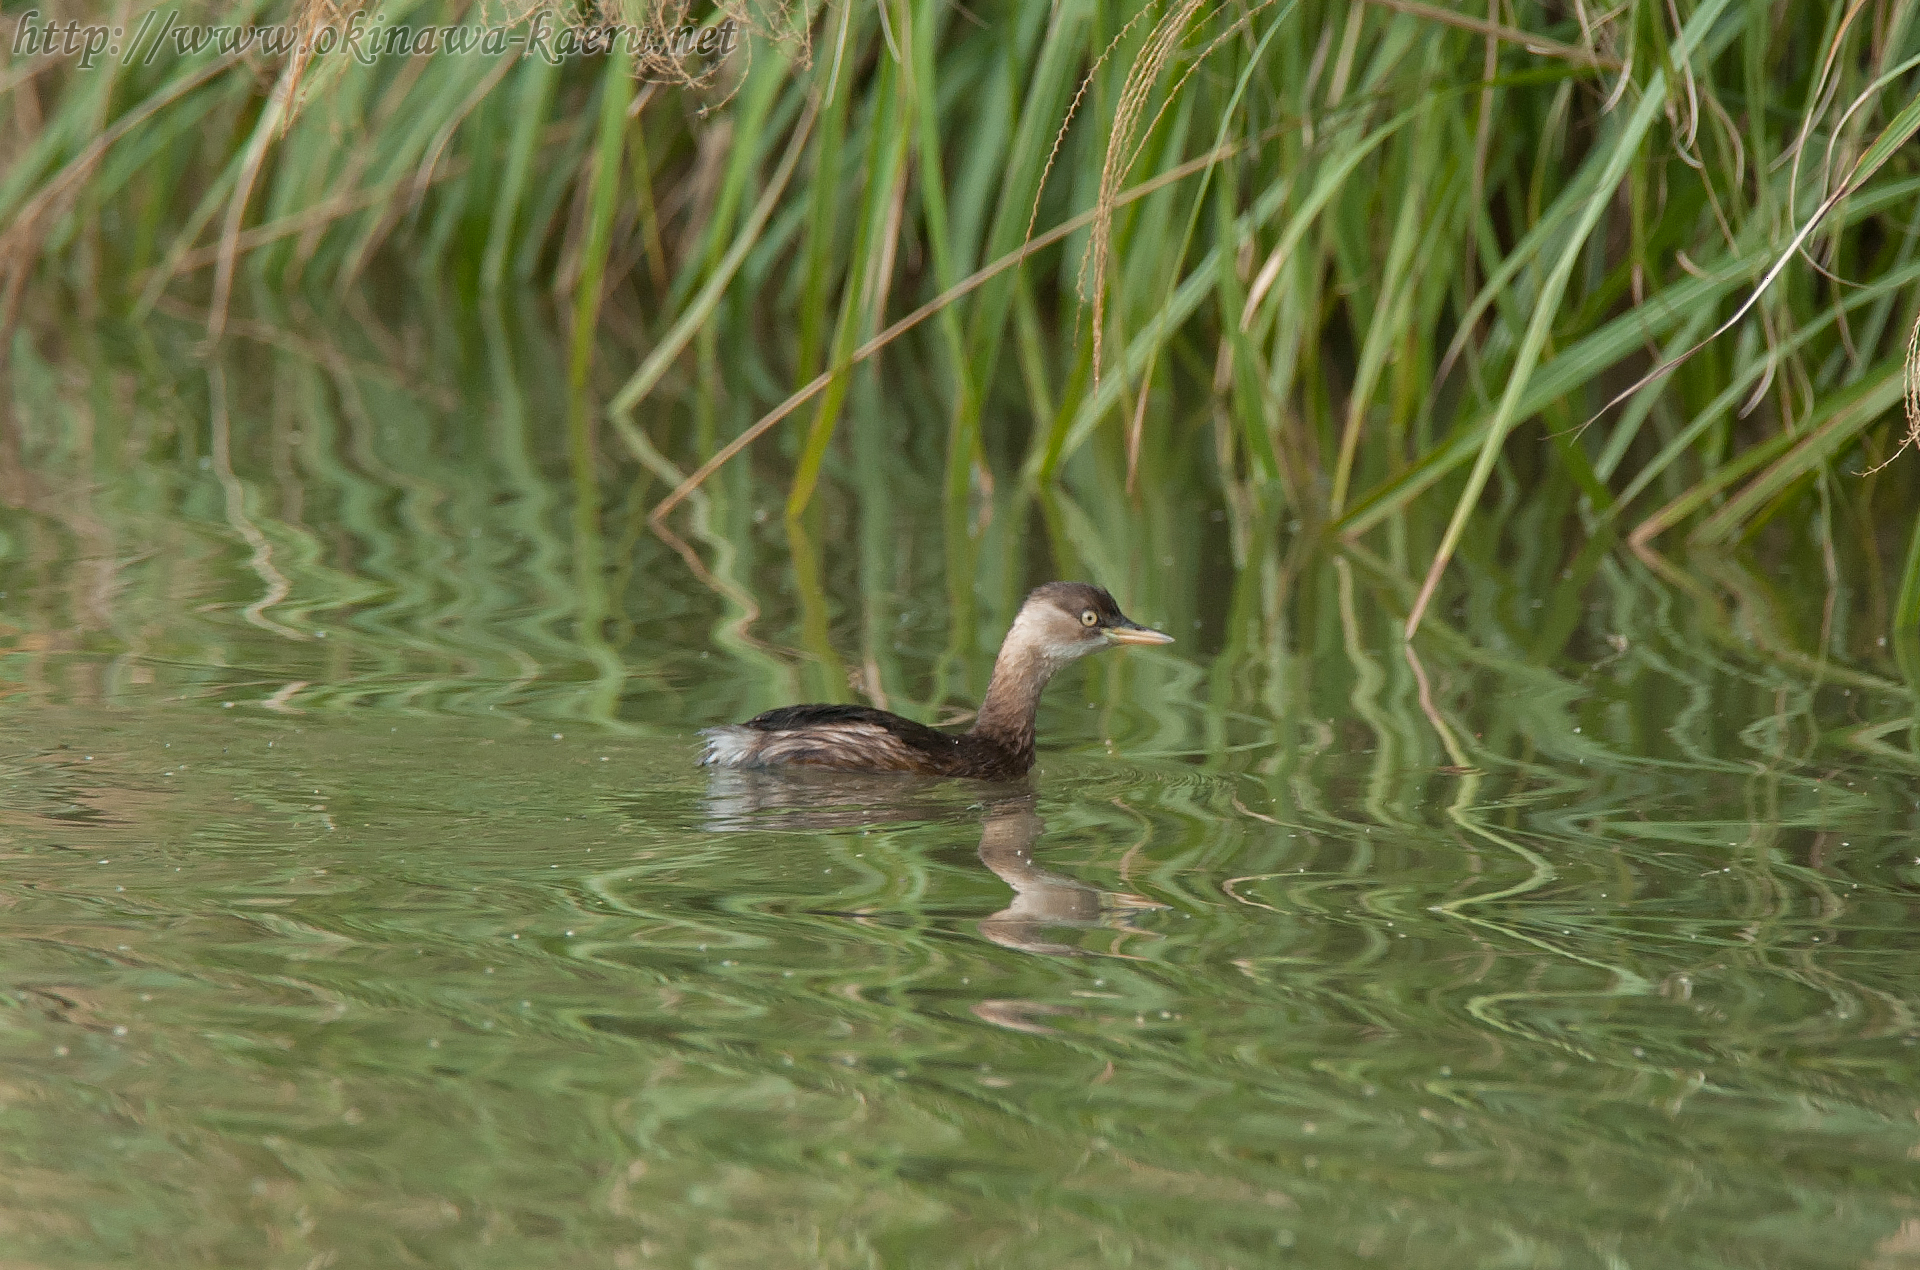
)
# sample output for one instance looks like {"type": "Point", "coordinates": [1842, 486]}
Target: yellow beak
{"type": "Point", "coordinates": [1137, 635]}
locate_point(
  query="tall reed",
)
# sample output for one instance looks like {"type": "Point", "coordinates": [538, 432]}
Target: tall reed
{"type": "Point", "coordinates": [1657, 262]}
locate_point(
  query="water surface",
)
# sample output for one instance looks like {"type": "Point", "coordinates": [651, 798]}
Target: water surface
{"type": "Point", "coordinates": [363, 906]}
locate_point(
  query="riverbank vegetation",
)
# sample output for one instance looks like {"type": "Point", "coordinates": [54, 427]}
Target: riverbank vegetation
{"type": "Point", "coordinates": [1385, 269]}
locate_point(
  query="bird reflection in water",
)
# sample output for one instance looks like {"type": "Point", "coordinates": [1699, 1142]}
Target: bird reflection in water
{"type": "Point", "coordinates": [1043, 900]}
{"type": "Point", "coordinates": [742, 800]}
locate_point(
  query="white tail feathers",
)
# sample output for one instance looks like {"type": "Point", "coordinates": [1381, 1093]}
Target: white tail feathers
{"type": "Point", "coordinates": [731, 747]}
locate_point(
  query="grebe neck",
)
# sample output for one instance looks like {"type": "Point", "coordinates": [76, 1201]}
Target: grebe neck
{"type": "Point", "coordinates": [1007, 712]}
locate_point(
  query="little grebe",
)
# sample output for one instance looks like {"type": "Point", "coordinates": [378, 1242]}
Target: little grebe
{"type": "Point", "coordinates": [1059, 622]}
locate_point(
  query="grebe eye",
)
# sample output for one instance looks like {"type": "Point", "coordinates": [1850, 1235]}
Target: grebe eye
{"type": "Point", "coordinates": [1089, 618]}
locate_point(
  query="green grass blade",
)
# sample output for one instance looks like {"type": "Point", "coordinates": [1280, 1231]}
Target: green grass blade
{"type": "Point", "coordinates": [1618, 152]}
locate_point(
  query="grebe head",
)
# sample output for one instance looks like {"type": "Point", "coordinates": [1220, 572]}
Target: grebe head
{"type": "Point", "coordinates": [1064, 620]}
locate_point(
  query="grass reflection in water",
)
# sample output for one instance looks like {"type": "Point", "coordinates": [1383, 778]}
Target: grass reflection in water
{"type": "Point", "coordinates": [1583, 938]}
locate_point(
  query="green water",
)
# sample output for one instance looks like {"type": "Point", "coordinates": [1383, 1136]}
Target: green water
{"type": "Point", "coordinates": [362, 905]}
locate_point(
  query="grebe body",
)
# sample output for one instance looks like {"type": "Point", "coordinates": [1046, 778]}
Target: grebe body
{"type": "Point", "coordinates": [1058, 623]}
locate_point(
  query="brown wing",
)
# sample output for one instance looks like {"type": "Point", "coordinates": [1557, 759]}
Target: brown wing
{"type": "Point", "coordinates": [863, 746]}
{"type": "Point", "coordinates": [859, 738]}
